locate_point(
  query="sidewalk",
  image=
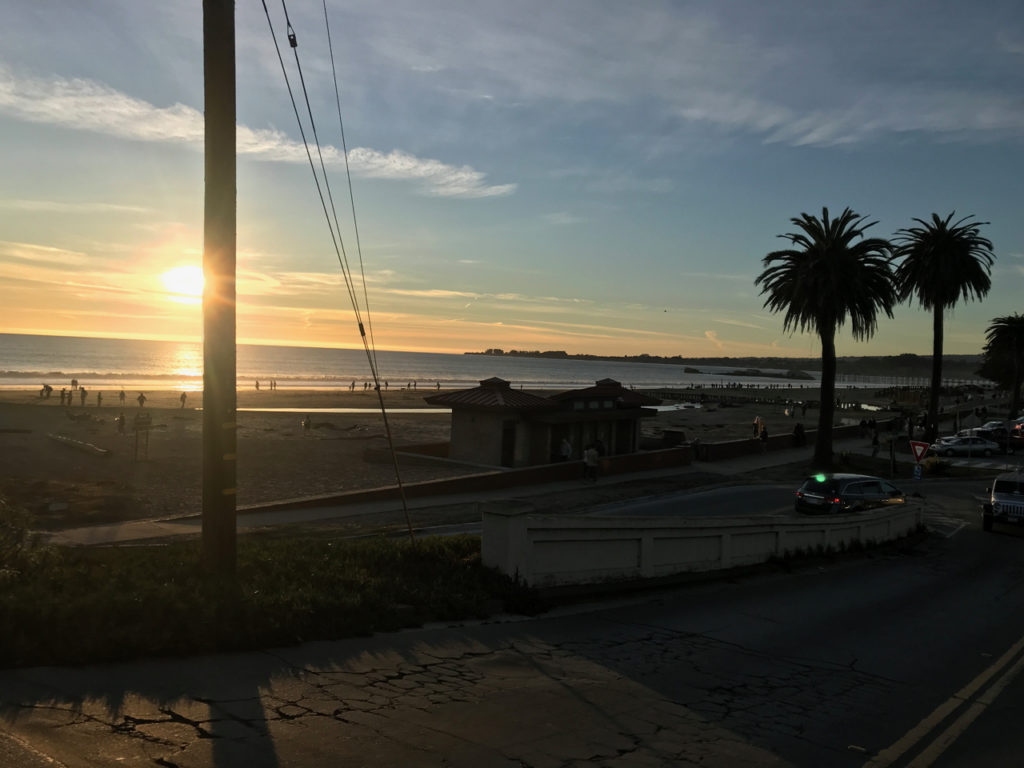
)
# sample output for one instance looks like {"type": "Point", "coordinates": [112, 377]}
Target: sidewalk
{"type": "Point", "coordinates": [600, 685]}
{"type": "Point", "coordinates": [568, 690]}
{"type": "Point", "coordinates": [729, 469]}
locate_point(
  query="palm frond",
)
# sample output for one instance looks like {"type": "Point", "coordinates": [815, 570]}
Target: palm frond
{"type": "Point", "coordinates": [943, 261]}
{"type": "Point", "coordinates": [830, 274]}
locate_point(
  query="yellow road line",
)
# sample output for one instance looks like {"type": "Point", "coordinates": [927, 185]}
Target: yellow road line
{"type": "Point", "coordinates": [962, 723]}
{"type": "Point", "coordinates": [916, 734]}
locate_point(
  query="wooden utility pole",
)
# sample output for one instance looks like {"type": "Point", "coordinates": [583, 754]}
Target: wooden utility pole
{"type": "Point", "coordinates": [219, 395]}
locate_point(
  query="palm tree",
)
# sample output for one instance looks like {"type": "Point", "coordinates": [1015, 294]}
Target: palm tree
{"type": "Point", "coordinates": [830, 274]}
{"type": "Point", "coordinates": [942, 263]}
{"type": "Point", "coordinates": [1004, 356]}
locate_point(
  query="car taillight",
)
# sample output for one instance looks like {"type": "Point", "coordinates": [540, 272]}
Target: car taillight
{"type": "Point", "coordinates": [835, 500]}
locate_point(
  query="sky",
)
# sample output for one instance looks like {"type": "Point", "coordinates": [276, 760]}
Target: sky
{"type": "Point", "coordinates": [591, 176]}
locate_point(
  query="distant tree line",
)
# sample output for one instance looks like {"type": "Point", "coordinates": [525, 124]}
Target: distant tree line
{"type": "Point", "coordinates": [904, 365]}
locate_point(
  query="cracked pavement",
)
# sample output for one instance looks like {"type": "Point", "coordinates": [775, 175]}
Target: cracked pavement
{"type": "Point", "coordinates": [820, 666]}
{"type": "Point", "coordinates": [494, 695]}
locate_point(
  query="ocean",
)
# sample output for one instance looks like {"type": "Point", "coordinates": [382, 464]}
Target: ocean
{"type": "Point", "coordinates": [29, 361]}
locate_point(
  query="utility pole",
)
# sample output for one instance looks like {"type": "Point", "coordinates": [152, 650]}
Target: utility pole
{"type": "Point", "coordinates": [219, 372]}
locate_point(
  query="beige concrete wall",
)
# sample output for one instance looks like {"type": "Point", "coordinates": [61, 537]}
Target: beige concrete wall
{"type": "Point", "coordinates": [549, 550]}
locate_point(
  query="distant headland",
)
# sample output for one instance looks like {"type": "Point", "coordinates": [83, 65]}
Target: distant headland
{"type": "Point", "coordinates": [904, 365]}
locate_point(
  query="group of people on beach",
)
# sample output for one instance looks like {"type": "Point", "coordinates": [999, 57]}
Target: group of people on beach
{"type": "Point", "coordinates": [386, 385]}
{"type": "Point", "coordinates": [67, 395]}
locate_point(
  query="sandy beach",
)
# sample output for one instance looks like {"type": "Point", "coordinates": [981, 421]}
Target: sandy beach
{"type": "Point", "coordinates": [66, 485]}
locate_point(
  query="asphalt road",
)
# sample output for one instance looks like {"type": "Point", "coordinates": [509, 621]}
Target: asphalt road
{"type": "Point", "coordinates": [774, 499]}
{"type": "Point", "coordinates": [904, 656]}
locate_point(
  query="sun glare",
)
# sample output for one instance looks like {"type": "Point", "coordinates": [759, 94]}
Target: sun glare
{"type": "Point", "coordinates": [184, 284]}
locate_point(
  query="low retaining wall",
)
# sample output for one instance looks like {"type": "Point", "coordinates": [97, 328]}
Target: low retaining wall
{"type": "Point", "coordinates": [484, 480]}
{"type": "Point", "coordinates": [730, 449]}
{"type": "Point", "coordinates": [556, 551]}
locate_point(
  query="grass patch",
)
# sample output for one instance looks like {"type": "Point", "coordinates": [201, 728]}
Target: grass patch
{"type": "Point", "coordinates": [69, 606]}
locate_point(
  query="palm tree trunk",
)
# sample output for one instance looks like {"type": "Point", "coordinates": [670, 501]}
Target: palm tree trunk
{"type": "Point", "coordinates": [931, 429]}
{"type": "Point", "coordinates": [1018, 380]}
{"type": "Point", "coordinates": [1017, 350]}
{"type": "Point", "coordinates": [826, 410]}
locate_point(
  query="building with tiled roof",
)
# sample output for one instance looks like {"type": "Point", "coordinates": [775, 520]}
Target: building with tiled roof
{"type": "Point", "coordinates": [493, 394]}
{"type": "Point", "coordinates": [497, 425]}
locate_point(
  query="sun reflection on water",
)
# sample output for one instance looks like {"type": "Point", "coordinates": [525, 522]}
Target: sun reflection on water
{"type": "Point", "coordinates": [187, 360]}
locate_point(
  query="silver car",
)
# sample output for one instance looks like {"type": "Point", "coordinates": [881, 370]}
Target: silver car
{"type": "Point", "coordinates": [964, 446]}
{"type": "Point", "coordinates": [1005, 501]}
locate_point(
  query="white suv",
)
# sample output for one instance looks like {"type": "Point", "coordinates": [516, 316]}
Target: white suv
{"type": "Point", "coordinates": [1005, 500]}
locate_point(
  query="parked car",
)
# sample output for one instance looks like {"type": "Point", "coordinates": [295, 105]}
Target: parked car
{"type": "Point", "coordinates": [1005, 500]}
{"type": "Point", "coordinates": [964, 446]}
{"type": "Point", "coordinates": [841, 492]}
{"type": "Point", "coordinates": [998, 435]}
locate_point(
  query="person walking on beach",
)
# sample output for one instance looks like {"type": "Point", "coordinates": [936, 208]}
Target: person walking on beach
{"type": "Point", "coordinates": [99, 399]}
{"type": "Point", "coordinates": [183, 398]}
{"type": "Point", "coordinates": [874, 443]}
{"type": "Point", "coordinates": [757, 426]}
{"type": "Point", "coordinates": [142, 399]}
{"type": "Point", "coordinates": [81, 393]}
{"type": "Point", "coordinates": [120, 397]}
{"type": "Point", "coordinates": [257, 385]}
{"type": "Point", "coordinates": [764, 439]}
{"type": "Point", "coordinates": [63, 395]}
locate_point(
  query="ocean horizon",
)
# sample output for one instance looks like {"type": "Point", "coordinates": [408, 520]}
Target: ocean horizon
{"type": "Point", "coordinates": [28, 361]}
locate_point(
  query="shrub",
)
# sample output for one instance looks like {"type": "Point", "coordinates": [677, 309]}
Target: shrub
{"type": "Point", "coordinates": [91, 605]}
{"type": "Point", "coordinates": [934, 466]}
{"type": "Point", "coordinates": [20, 550]}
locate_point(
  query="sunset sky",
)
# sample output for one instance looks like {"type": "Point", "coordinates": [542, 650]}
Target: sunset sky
{"type": "Point", "coordinates": [598, 177]}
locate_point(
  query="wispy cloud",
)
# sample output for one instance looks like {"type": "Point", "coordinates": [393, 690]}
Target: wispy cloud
{"type": "Point", "coordinates": [431, 293]}
{"type": "Point", "coordinates": [57, 206]}
{"type": "Point", "coordinates": [441, 179]}
{"type": "Point", "coordinates": [738, 323]}
{"type": "Point", "coordinates": [40, 254]}
{"type": "Point", "coordinates": [82, 104]}
{"type": "Point", "coordinates": [712, 336]}
{"type": "Point", "coordinates": [773, 70]}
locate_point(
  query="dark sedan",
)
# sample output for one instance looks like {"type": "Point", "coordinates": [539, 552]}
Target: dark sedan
{"type": "Point", "coordinates": [841, 492]}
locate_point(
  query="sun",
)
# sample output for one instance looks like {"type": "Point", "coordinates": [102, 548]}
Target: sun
{"type": "Point", "coordinates": [184, 284]}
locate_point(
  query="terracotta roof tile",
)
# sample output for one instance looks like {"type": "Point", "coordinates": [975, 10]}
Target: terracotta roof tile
{"type": "Point", "coordinates": [493, 394]}
{"type": "Point", "coordinates": [608, 388]}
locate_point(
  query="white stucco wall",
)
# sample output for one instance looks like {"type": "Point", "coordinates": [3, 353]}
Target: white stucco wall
{"type": "Point", "coordinates": [549, 550]}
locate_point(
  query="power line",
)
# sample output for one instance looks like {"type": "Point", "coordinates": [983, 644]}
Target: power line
{"type": "Point", "coordinates": [335, 229]}
{"type": "Point", "coordinates": [348, 176]}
